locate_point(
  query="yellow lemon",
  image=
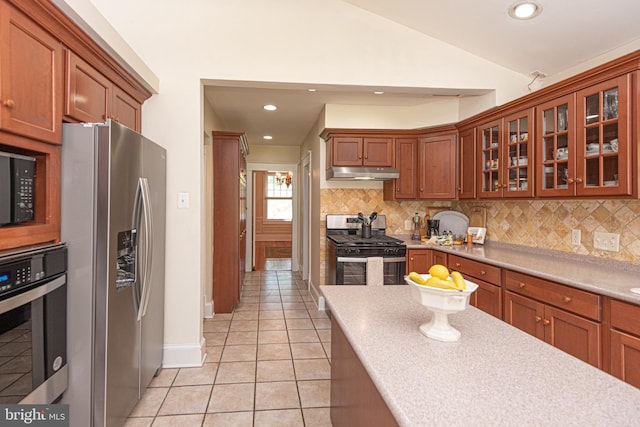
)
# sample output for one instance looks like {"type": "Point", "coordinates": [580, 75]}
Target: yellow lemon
{"type": "Point", "coordinates": [439, 271]}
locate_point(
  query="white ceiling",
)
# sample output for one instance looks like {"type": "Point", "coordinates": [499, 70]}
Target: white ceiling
{"type": "Point", "coordinates": [557, 40]}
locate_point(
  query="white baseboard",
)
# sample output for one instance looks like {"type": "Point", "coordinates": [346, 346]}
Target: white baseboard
{"type": "Point", "coordinates": [184, 355]}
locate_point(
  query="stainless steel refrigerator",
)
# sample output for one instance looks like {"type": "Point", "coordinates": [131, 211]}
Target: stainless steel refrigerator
{"type": "Point", "coordinates": [113, 220]}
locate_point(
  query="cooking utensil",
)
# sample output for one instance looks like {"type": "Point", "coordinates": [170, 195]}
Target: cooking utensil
{"type": "Point", "coordinates": [361, 218]}
{"type": "Point", "coordinates": [373, 216]}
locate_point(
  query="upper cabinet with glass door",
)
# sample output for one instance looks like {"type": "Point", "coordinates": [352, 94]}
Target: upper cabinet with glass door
{"type": "Point", "coordinates": [603, 158]}
{"type": "Point", "coordinates": [516, 178]}
{"type": "Point", "coordinates": [489, 137]}
{"type": "Point", "coordinates": [555, 152]}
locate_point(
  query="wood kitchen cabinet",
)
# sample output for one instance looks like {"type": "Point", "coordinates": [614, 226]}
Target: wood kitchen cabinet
{"type": "Point", "coordinates": [229, 210]}
{"type": "Point", "coordinates": [439, 258]}
{"type": "Point", "coordinates": [31, 78]}
{"type": "Point", "coordinates": [467, 164]}
{"type": "Point", "coordinates": [505, 155]}
{"type": "Point", "coordinates": [625, 342]}
{"type": "Point", "coordinates": [361, 151]}
{"type": "Point", "coordinates": [437, 167]}
{"type": "Point", "coordinates": [406, 186]}
{"type": "Point", "coordinates": [419, 260]}
{"type": "Point", "coordinates": [564, 317]}
{"type": "Point", "coordinates": [603, 133]}
{"type": "Point", "coordinates": [488, 296]}
{"type": "Point", "coordinates": [91, 97]}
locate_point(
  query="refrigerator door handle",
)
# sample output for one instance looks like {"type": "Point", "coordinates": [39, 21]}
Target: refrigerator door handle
{"type": "Point", "coordinates": [148, 242]}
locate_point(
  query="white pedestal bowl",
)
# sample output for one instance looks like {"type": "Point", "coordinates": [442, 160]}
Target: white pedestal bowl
{"type": "Point", "coordinates": [441, 303]}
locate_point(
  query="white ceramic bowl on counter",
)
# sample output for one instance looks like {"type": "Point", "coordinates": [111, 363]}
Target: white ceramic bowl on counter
{"type": "Point", "coordinates": [441, 303]}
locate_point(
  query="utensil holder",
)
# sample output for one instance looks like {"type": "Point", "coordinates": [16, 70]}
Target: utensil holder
{"type": "Point", "coordinates": [366, 231]}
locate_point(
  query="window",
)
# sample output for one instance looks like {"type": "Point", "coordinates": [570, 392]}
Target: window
{"type": "Point", "coordinates": [278, 196]}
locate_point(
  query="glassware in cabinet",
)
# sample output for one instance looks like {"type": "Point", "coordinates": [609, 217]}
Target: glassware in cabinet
{"type": "Point", "coordinates": [490, 136]}
{"type": "Point", "coordinates": [518, 156]}
{"type": "Point", "coordinates": [555, 147]}
{"type": "Point", "coordinates": [602, 135]}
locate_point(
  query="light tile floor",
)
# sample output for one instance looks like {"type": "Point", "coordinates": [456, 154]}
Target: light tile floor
{"type": "Point", "coordinates": [267, 365]}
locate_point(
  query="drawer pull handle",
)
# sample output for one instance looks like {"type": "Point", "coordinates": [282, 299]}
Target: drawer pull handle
{"type": "Point", "coordinates": [522, 285]}
{"type": "Point", "coordinates": [538, 319]}
{"type": "Point", "coordinates": [566, 299]}
{"type": "Point", "coordinates": [482, 272]}
{"type": "Point", "coordinates": [545, 322]}
{"type": "Point", "coordinates": [457, 265]}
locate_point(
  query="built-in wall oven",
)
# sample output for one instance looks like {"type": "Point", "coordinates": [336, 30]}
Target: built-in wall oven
{"type": "Point", "coordinates": [33, 325]}
{"type": "Point", "coordinates": [348, 250]}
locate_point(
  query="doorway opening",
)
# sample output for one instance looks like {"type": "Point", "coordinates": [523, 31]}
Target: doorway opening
{"type": "Point", "coordinates": [271, 220]}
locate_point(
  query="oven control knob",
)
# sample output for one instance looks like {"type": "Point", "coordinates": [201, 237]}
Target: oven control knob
{"type": "Point", "coordinates": [57, 363]}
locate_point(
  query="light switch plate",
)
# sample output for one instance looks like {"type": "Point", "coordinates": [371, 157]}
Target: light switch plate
{"type": "Point", "coordinates": [606, 241]}
{"type": "Point", "coordinates": [183, 200]}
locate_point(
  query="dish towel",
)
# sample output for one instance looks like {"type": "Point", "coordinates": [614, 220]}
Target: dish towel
{"type": "Point", "coordinates": [375, 271]}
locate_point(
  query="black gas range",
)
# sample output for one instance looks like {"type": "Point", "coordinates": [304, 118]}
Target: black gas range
{"type": "Point", "coordinates": [348, 248]}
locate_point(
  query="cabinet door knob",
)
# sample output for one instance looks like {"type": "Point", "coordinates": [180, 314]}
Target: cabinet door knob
{"type": "Point", "coordinates": [9, 103]}
{"type": "Point", "coordinates": [538, 319]}
{"type": "Point", "coordinates": [457, 265]}
{"type": "Point", "coordinates": [411, 258]}
{"type": "Point", "coordinates": [398, 189]}
{"type": "Point", "coordinates": [522, 284]}
{"type": "Point", "coordinates": [566, 299]}
{"type": "Point", "coordinates": [578, 180]}
{"type": "Point", "coordinates": [545, 322]}
{"type": "Point", "coordinates": [570, 181]}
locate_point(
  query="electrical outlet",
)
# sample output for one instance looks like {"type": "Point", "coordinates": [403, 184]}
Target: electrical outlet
{"type": "Point", "coordinates": [408, 225]}
{"type": "Point", "coordinates": [606, 241]}
{"type": "Point", "coordinates": [575, 237]}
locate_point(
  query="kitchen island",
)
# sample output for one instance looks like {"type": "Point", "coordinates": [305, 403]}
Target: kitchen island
{"type": "Point", "coordinates": [495, 375]}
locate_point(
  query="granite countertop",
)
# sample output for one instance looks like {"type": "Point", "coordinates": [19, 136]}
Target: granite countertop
{"type": "Point", "coordinates": [494, 375]}
{"type": "Point", "coordinates": [605, 277]}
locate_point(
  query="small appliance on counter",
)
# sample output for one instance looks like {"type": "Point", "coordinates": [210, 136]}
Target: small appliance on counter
{"type": "Point", "coordinates": [433, 228]}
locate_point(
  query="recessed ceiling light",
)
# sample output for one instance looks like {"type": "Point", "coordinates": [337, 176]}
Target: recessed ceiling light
{"type": "Point", "coordinates": [267, 137]}
{"type": "Point", "coordinates": [378, 92]}
{"type": "Point", "coordinates": [525, 10]}
{"type": "Point", "coordinates": [270, 107]}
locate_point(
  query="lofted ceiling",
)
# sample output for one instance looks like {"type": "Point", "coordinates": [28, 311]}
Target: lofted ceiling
{"type": "Point", "coordinates": [567, 33]}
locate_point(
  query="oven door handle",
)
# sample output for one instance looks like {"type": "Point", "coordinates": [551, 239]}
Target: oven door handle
{"type": "Point", "coordinates": [32, 295]}
{"type": "Point", "coordinates": [385, 260]}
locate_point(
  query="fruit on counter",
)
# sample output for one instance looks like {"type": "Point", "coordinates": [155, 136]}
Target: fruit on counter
{"type": "Point", "coordinates": [458, 280]}
{"type": "Point", "coordinates": [417, 278]}
{"type": "Point", "coordinates": [438, 279]}
{"type": "Point", "coordinates": [439, 271]}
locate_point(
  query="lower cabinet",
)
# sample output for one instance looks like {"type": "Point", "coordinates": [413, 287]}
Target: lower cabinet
{"type": "Point", "coordinates": [488, 296]}
{"type": "Point", "coordinates": [419, 260]}
{"type": "Point", "coordinates": [625, 342]}
{"type": "Point", "coordinates": [534, 306]}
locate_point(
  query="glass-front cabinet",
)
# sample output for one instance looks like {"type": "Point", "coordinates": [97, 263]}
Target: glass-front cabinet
{"type": "Point", "coordinates": [556, 147]}
{"type": "Point", "coordinates": [583, 142]}
{"type": "Point", "coordinates": [517, 180]}
{"type": "Point", "coordinates": [505, 156]}
{"type": "Point", "coordinates": [490, 136]}
{"type": "Point", "coordinates": [603, 159]}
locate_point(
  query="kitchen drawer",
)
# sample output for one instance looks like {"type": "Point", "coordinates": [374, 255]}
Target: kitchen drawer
{"type": "Point", "coordinates": [476, 269]}
{"type": "Point", "coordinates": [625, 317]}
{"type": "Point", "coordinates": [565, 297]}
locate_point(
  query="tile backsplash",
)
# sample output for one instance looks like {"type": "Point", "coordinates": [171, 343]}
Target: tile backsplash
{"type": "Point", "coordinates": [544, 224]}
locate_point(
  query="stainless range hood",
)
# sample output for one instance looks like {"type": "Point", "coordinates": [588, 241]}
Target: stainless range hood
{"type": "Point", "coordinates": [355, 173]}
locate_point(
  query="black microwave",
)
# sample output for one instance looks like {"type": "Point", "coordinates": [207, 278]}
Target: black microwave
{"type": "Point", "coordinates": [17, 186]}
